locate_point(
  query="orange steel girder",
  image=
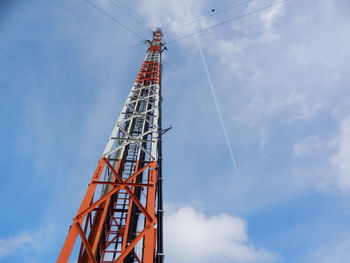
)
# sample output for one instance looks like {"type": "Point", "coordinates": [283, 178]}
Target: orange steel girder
{"type": "Point", "coordinates": [87, 206]}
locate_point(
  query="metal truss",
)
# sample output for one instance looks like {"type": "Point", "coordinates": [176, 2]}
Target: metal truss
{"type": "Point", "coordinates": [120, 217]}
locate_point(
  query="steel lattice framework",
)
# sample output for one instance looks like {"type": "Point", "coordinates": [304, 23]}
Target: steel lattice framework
{"type": "Point", "coordinates": [120, 217]}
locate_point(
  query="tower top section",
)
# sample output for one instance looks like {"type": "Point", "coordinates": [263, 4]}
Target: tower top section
{"type": "Point", "coordinates": [156, 44]}
{"type": "Point", "coordinates": [157, 34]}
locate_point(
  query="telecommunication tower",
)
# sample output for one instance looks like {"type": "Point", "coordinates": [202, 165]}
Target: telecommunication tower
{"type": "Point", "coordinates": [121, 216]}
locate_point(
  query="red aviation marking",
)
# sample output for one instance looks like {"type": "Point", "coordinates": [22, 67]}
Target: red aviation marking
{"type": "Point", "coordinates": [149, 73]}
{"type": "Point", "coordinates": [154, 48]}
{"type": "Point", "coordinates": [157, 34]}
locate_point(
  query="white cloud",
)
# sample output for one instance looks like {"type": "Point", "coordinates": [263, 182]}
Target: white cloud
{"type": "Point", "coordinates": [341, 160]}
{"type": "Point", "coordinates": [171, 14]}
{"type": "Point", "coordinates": [307, 146]}
{"type": "Point", "coordinates": [192, 236]}
{"type": "Point", "coordinates": [295, 105]}
{"type": "Point", "coordinates": [271, 16]}
{"type": "Point", "coordinates": [14, 244]}
{"type": "Point", "coordinates": [302, 108]}
{"type": "Point", "coordinates": [334, 253]}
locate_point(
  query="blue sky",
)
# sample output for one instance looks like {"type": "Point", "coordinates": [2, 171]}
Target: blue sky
{"type": "Point", "coordinates": [282, 81]}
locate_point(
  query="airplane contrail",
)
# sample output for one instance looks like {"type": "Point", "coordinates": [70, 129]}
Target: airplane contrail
{"type": "Point", "coordinates": [217, 106]}
{"type": "Point", "coordinates": [213, 93]}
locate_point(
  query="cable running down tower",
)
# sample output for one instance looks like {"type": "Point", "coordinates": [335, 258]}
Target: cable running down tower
{"type": "Point", "coordinates": [121, 216]}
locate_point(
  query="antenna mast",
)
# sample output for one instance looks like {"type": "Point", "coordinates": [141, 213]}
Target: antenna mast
{"type": "Point", "coordinates": [121, 216]}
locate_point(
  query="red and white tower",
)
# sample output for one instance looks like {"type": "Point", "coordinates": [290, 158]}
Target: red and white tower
{"type": "Point", "coordinates": [120, 217]}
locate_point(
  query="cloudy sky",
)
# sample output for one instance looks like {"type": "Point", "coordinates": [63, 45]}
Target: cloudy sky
{"type": "Point", "coordinates": [269, 90]}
